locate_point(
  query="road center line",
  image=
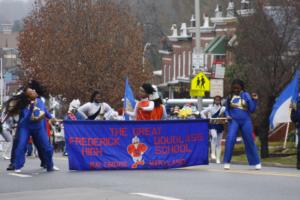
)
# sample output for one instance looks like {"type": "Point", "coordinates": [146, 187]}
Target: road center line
{"type": "Point", "coordinates": [20, 175]}
{"type": "Point", "coordinates": [153, 196]}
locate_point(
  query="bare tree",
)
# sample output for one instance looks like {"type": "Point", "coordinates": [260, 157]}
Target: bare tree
{"type": "Point", "coordinates": [267, 54]}
{"type": "Point", "coordinates": [75, 47]}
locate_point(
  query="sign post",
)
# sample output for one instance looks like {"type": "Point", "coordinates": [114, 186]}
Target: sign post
{"type": "Point", "coordinates": [199, 85]}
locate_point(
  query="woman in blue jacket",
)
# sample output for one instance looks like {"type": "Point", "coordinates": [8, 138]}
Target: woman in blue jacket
{"type": "Point", "coordinates": [239, 105]}
{"type": "Point", "coordinates": [32, 113]}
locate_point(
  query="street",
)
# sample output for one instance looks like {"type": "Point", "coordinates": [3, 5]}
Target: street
{"type": "Point", "coordinates": [193, 183]}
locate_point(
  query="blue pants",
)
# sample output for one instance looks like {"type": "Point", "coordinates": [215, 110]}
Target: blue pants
{"type": "Point", "coordinates": [29, 149]}
{"type": "Point", "coordinates": [40, 154]}
{"type": "Point", "coordinates": [247, 130]}
{"type": "Point", "coordinates": [42, 143]}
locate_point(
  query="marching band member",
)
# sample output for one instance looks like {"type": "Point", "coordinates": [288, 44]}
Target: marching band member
{"type": "Point", "coordinates": [95, 110]}
{"type": "Point", "coordinates": [143, 109]}
{"type": "Point", "coordinates": [216, 128]}
{"type": "Point", "coordinates": [239, 105]}
{"type": "Point", "coordinates": [159, 111]}
{"type": "Point", "coordinates": [7, 135]}
{"type": "Point", "coordinates": [73, 113]}
{"type": "Point", "coordinates": [32, 123]}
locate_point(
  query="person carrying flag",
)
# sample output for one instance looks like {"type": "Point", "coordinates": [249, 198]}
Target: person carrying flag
{"type": "Point", "coordinates": [295, 117]}
{"type": "Point", "coordinates": [287, 108]}
{"type": "Point", "coordinates": [143, 109]}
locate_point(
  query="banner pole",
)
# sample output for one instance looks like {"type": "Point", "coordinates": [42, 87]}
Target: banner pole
{"type": "Point", "coordinates": [286, 135]}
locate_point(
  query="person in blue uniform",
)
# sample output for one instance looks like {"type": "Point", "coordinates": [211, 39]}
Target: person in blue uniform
{"type": "Point", "coordinates": [239, 105]}
{"type": "Point", "coordinates": [295, 117]}
{"type": "Point", "coordinates": [32, 113]}
{"type": "Point", "coordinates": [42, 93]}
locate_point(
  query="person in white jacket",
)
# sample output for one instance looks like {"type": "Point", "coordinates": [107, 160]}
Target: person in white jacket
{"type": "Point", "coordinates": [216, 127]}
{"type": "Point", "coordinates": [7, 135]}
{"type": "Point", "coordinates": [95, 110]}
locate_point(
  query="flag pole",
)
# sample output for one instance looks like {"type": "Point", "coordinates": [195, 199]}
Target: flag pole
{"type": "Point", "coordinates": [296, 138]}
{"type": "Point", "coordinates": [286, 135]}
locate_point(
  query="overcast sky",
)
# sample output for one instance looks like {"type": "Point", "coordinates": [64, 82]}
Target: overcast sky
{"type": "Point", "coordinates": [17, 0]}
{"type": "Point", "coordinates": [11, 10]}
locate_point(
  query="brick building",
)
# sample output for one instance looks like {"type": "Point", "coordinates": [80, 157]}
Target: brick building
{"type": "Point", "coordinates": [178, 59]}
{"type": "Point", "coordinates": [10, 60]}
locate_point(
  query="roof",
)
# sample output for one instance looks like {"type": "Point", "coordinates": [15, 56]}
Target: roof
{"type": "Point", "coordinates": [217, 46]}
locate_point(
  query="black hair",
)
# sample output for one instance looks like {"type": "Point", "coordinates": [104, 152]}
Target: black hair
{"type": "Point", "coordinates": [19, 101]}
{"type": "Point", "coordinates": [40, 89]}
{"type": "Point", "coordinates": [148, 88]}
{"type": "Point", "coordinates": [95, 93]}
{"type": "Point", "coordinates": [218, 96]}
{"type": "Point", "coordinates": [238, 82]}
{"type": "Point", "coordinates": [157, 102]}
{"type": "Point", "coordinates": [234, 82]}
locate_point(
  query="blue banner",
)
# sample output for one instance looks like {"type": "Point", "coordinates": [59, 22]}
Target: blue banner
{"type": "Point", "coordinates": [97, 145]}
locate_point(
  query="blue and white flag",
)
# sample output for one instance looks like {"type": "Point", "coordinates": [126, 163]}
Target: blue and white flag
{"type": "Point", "coordinates": [282, 108]}
{"type": "Point", "coordinates": [129, 100]}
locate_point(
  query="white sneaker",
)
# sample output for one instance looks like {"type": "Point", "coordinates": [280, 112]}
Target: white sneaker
{"type": "Point", "coordinates": [218, 161]}
{"type": "Point", "coordinates": [213, 157]}
{"type": "Point", "coordinates": [55, 168]}
{"type": "Point", "coordinates": [6, 157]}
{"type": "Point", "coordinates": [227, 166]}
{"type": "Point", "coordinates": [258, 166]}
{"type": "Point", "coordinates": [18, 171]}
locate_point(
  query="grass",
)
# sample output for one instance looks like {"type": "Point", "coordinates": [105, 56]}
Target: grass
{"type": "Point", "coordinates": [278, 155]}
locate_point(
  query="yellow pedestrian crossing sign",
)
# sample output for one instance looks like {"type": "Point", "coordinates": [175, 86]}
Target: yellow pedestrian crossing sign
{"type": "Point", "coordinates": [199, 85]}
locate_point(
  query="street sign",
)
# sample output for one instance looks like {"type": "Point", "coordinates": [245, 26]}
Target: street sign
{"type": "Point", "coordinates": [216, 87]}
{"type": "Point", "coordinates": [198, 60]}
{"type": "Point", "coordinates": [220, 71]}
{"type": "Point", "coordinates": [199, 85]}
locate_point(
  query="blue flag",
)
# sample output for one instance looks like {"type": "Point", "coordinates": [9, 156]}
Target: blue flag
{"type": "Point", "coordinates": [129, 100]}
{"type": "Point", "coordinates": [281, 109]}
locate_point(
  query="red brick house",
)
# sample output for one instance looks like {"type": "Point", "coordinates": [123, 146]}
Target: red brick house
{"type": "Point", "coordinates": [217, 33]}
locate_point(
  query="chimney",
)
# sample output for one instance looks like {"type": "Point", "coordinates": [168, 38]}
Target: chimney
{"type": "Point", "coordinates": [193, 21]}
{"type": "Point", "coordinates": [218, 11]}
{"type": "Point", "coordinates": [206, 21]}
{"type": "Point", "coordinates": [174, 30]}
{"type": "Point", "coordinates": [183, 30]}
{"type": "Point", "coordinates": [230, 9]}
{"type": "Point", "coordinates": [245, 5]}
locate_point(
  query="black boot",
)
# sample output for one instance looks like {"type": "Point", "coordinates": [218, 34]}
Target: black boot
{"type": "Point", "coordinates": [10, 167]}
{"type": "Point", "coordinates": [43, 165]}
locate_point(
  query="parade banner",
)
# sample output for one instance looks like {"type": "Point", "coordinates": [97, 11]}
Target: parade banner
{"type": "Point", "coordinates": [98, 145]}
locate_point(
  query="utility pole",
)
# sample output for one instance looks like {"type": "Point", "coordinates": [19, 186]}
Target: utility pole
{"type": "Point", "coordinates": [197, 50]}
{"type": "Point", "coordinates": [1, 82]}
{"type": "Point", "coordinates": [147, 45]}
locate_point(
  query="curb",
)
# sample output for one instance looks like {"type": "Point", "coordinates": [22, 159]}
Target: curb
{"type": "Point", "coordinates": [267, 164]}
